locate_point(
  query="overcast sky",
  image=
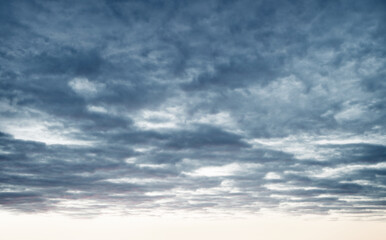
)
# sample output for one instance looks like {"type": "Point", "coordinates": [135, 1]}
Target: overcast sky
{"type": "Point", "coordinates": [197, 107]}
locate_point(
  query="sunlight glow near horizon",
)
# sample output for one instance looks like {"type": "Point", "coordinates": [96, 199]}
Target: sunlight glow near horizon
{"type": "Point", "coordinates": [37, 227]}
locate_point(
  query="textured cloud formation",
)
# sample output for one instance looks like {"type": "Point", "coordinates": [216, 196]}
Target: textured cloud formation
{"type": "Point", "coordinates": [210, 106]}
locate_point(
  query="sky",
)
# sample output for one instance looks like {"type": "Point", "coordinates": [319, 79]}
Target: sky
{"type": "Point", "coordinates": [197, 110]}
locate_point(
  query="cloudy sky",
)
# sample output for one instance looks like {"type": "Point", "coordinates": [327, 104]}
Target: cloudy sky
{"type": "Point", "coordinates": [207, 108]}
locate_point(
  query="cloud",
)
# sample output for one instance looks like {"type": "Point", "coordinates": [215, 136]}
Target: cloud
{"type": "Point", "coordinates": [138, 106]}
{"type": "Point", "coordinates": [84, 87]}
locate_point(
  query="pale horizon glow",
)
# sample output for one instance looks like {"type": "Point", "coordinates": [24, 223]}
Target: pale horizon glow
{"type": "Point", "coordinates": [37, 227]}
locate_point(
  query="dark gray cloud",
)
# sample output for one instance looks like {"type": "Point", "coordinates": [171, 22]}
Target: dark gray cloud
{"type": "Point", "coordinates": [232, 106]}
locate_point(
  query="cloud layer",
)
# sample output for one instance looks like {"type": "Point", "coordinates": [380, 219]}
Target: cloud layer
{"type": "Point", "coordinates": [209, 106]}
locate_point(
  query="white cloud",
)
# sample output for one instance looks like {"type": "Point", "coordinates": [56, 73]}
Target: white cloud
{"type": "Point", "coordinates": [41, 130]}
{"type": "Point", "coordinates": [96, 109]}
{"type": "Point", "coordinates": [272, 175]}
{"type": "Point", "coordinates": [349, 114]}
{"type": "Point", "coordinates": [165, 118]}
{"type": "Point", "coordinates": [226, 170]}
{"type": "Point", "coordinates": [222, 171]}
{"type": "Point", "coordinates": [84, 87]}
